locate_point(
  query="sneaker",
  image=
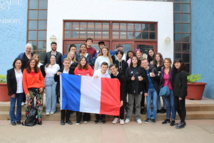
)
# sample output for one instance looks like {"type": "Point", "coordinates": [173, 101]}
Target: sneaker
{"type": "Point", "coordinates": [122, 122]}
{"type": "Point", "coordinates": [153, 120]}
{"type": "Point", "coordinates": [85, 122]}
{"type": "Point", "coordinates": [172, 123]}
{"type": "Point", "coordinates": [163, 110]}
{"type": "Point", "coordinates": [18, 123]}
{"type": "Point", "coordinates": [69, 122]}
{"type": "Point", "coordinates": [147, 120]}
{"type": "Point", "coordinates": [13, 123]}
{"type": "Point", "coordinates": [180, 125]}
{"type": "Point", "coordinates": [139, 121]}
{"type": "Point", "coordinates": [47, 113]}
{"type": "Point", "coordinates": [39, 122]}
{"type": "Point", "coordinates": [96, 121]}
{"type": "Point", "coordinates": [52, 113]}
{"type": "Point", "coordinates": [77, 124]}
{"type": "Point", "coordinates": [116, 120]}
{"type": "Point", "coordinates": [127, 121]}
{"type": "Point", "coordinates": [23, 103]}
{"type": "Point", "coordinates": [62, 122]}
{"type": "Point", "coordinates": [103, 121]}
{"type": "Point", "coordinates": [166, 121]}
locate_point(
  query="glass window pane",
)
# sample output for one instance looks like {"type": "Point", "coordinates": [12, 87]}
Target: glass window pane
{"type": "Point", "coordinates": [68, 25]}
{"type": "Point", "coordinates": [42, 45]}
{"type": "Point", "coordinates": [105, 26]}
{"type": "Point", "coordinates": [42, 24]}
{"type": "Point", "coordinates": [152, 27]}
{"type": "Point", "coordinates": [41, 35]}
{"type": "Point", "coordinates": [186, 17]}
{"type": "Point", "coordinates": [131, 35]}
{"type": "Point", "coordinates": [123, 26]}
{"type": "Point", "coordinates": [152, 35]}
{"type": "Point", "coordinates": [32, 35]}
{"type": "Point", "coordinates": [177, 47]}
{"type": "Point", "coordinates": [186, 48]}
{"type": "Point", "coordinates": [98, 34]}
{"type": "Point", "coordinates": [98, 26]}
{"type": "Point", "coordinates": [105, 35]}
{"type": "Point", "coordinates": [186, 57]}
{"type": "Point", "coordinates": [32, 24]}
{"type": "Point", "coordinates": [33, 4]}
{"type": "Point", "coordinates": [90, 34]}
{"type": "Point", "coordinates": [33, 14]}
{"type": "Point", "coordinates": [68, 34]}
{"type": "Point", "coordinates": [177, 7]}
{"type": "Point", "coordinates": [186, 1]}
{"type": "Point", "coordinates": [186, 27]}
{"type": "Point", "coordinates": [115, 35]}
{"type": "Point", "coordinates": [43, 4]}
{"type": "Point", "coordinates": [137, 35]}
{"type": "Point", "coordinates": [130, 27]}
{"type": "Point", "coordinates": [34, 44]}
{"type": "Point", "coordinates": [185, 8]}
{"type": "Point", "coordinates": [83, 25]}
{"type": "Point", "coordinates": [145, 35]}
{"type": "Point", "coordinates": [137, 27]}
{"type": "Point", "coordinates": [177, 17]}
{"type": "Point", "coordinates": [90, 26]}
{"type": "Point", "coordinates": [122, 35]}
{"type": "Point", "coordinates": [177, 38]}
{"type": "Point", "coordinates": [145, 27]}
{"type": "Point", "coordinates": [186, 37]}
{"type": "Point", "coordinates": [177, 28]}
{"type": "Point", "coordinates": [75, 34]}
{"type": "Point", "coordinates": [177, 56]}
{"type": "Point", "coordinates": [75, 25]}
{"type": "Point", "coordinates": [43, 14]}
{"type": "Point", "coordinates": [83, 34]}
{"type": "Point", "coordinates": [115, 26]}
{"type": "Point", "coordinates": [188, 67]}
{"type": "Point", "coordinates": [42, 55]}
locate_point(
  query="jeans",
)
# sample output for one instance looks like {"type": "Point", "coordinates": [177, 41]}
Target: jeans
{"type": "Point", "coordinates": [50, 87]}
{"type": "Point", "coordinates": [18, 98]}
{"type": "Point", "coordinates": [170, 107]}
{"type": "Point", "coordinates": [131, 98]}
{"type": "Point", "coordinates": [151, 98]}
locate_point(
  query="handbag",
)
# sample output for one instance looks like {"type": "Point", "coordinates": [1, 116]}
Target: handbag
{"type": "Point", "coordinates": [164, 91]}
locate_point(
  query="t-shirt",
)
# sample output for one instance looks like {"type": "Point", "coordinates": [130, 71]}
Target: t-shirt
{"type": "Point", "coordinates": [51, 70]}
{"type": "Point", "coordinates": [99, 74]}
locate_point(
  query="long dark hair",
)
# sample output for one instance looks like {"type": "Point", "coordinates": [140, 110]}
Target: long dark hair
{"type": "Point", "coordinates": [80, 67]}
{"type": "Point", "coordinates": [36, 69]}
{"type": "Point", "coordinates": [155, 62]}
{"type": "Point", "coordinates": [182, 67]}
{"type": "Point", "coordinates": [14, 62]}
{"type": "Point", "coordinates": [149, 57]}
{"type": "Point", "coordinates": [138, 63]}
{"type": "Point", "coordinates": [127, 55]}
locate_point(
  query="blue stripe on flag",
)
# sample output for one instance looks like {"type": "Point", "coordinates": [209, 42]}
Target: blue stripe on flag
{"type": "Point", "coordinates": [71, 85]}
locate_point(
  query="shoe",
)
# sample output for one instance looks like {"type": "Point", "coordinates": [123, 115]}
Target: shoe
{"type": "Point", "coordinates": [47, 113]}
{"type": "Point", "coordinates": [122, 122]}
{"type": "Point", "coordinates": [163, 110]}
{"type": "Point", "coordinates": [166, 121]}
{"type": "Point", "coordinates": [39, 122]}
{"type": "Point", "coordinates": [85, 122]}
{"type": "Point", "coordinates": [23, 103]}
{"type": "Point", "coordinates": [172, 123]}
{"type": "Point", "coordinates": [13, 123]}
{"type": "Point", "coordinates": [18, 123]}
{"type": "Point", "coordinates": [180, 125]}
{"type": "Point", "coordinates": [77, 124]}
{"type": "Point", "coordinates": [103, 121]}
{"type": "Point", "coordinates": [69, 122]}
{"type": "Point", "coordinates": [153, 121]}
{"type": "Point", "coordinates": [96, 121]}
{"type": "Point", "coordinates": [52, 113]}
{"type": "Point", "coordinates": [143, 111]}
{"type": "Point", "coordinates": [116, 120]}
{"type": "Point", "coordinates": [147, 120]}
{"type": "Point", "coordinates": [127, 121]}
{"type": "Point", "coordinates": [158, 111]}
{"type": "Point", "coordinates": [139, 121]}
{"type": "Point", "coordinates": [62, 122]}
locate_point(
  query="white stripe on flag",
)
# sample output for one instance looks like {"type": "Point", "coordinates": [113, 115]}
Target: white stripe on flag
{"type": "Point", "coordinates": [90, 94]}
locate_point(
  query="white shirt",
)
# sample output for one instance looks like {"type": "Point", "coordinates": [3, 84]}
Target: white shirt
{"type": "Point", "coordinates": [19, 81]}
{"type": "Point", "coordinates": [39, 65]}
{"type": "Point", "coordinates": [64, 71]}
{"type": "Point", "coordinates": [51, 70]}
{"type": "Point", "coordinates": [99, 61]}
{"type": "Point", "coordinates": [99, 74]}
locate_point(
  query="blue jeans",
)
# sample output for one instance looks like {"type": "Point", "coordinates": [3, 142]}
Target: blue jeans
{"type": "Point", "coordinates": [170, 107]}
{"type": "Point", "coordinates": [18, 98]}
{"type": "Point", "coordinates": [50, 87]}
{"type": "Point", "coordinates": [151, 99]}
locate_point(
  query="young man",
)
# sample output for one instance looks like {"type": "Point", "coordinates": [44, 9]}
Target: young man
{"type": "Point", "coordinates": [151, 96]}
{"type": "Point", "coordinates": [53, 52]}
{"type": "Point", "coordinates": [90, 50]}
{"type": "Point", "coordinates": [120, 63]}
{"type": "Point", "coordinates": [116, 74]}
{"type": "Point", "coordinates": [119, 47]}
{"type": "Point", "coordinates": [103, 72]}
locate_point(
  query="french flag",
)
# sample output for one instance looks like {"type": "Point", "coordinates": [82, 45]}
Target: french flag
{"type": "Point", "coordinates": [89, 94]}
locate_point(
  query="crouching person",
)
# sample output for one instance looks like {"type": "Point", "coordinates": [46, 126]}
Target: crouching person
{"type": "Point", "coordinates": [115, 74]}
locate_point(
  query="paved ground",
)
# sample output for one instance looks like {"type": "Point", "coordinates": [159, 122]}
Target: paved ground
{"type": "Point", "coordinates": [196, 131]}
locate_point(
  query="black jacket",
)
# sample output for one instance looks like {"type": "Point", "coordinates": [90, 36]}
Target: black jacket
{"type": "Point", "coordinates": [136, 86]}
{"type": "Point", "coordinates": [121, 68]}
{"type": "Point", "coordinates": [122, 80]}
{"type": "Point", "coordinates": [162, 79]}
{"type": "Point", "coordinates": [58, 58]}
{"type": "Point", "coordinates": [156, 79]}
{"type": "Point", "coordinates": [11, 81]}
{"type": "Point", "coordinates": [180, 84]}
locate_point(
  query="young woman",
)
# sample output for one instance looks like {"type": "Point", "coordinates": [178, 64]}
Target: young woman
{"type": "Point", "coordinates": [158, 64]}
{"type": "Point", "coordinates": [103, 56]}
{"type": "Point", "coordinates": [65, 114]}
{"type": "Point", "coordinates": [36, 57]}
{"type": "Point", "coordinates": [166, 78]}
{"type": "Point", "coordinates": [140, 55]}
{"type": "Point", "coordinates": [135, 78]}
{"type": "Point", "coordinates": [72, 48]}
{"type": "Point", "coordinates": [83, 69]}
{"type": "Point", "coordinates": [83, 50]}
{"type": "Point", "coordinates": [50, 85]}
{"type": "Point", "coordinates": [72, 57]}
{"type": "Point", "coordinates": [129, 56]}
{"type": "Point", "coordinates": [33, 83]}
{"type": "Point", "coordinates": [151, 55]}
{"type": "Point", "coordinates": [180, 90]}
{"type": "Point", "coordinates": [120, 63]}
{"type": "Point", "coordinates": [15, 91]}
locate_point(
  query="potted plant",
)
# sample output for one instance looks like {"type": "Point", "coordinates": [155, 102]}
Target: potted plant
{"type": "Point", "coordinates": [3, 89]}
{"type": "Point", "coordinates": [195, 89]}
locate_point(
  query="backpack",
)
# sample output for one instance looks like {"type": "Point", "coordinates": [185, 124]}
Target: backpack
{"type": "Point", "coordinates": [31, 119]}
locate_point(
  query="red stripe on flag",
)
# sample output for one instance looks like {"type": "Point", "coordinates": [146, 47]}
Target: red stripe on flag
{"type": "Point", "coordinates": [110, 96]}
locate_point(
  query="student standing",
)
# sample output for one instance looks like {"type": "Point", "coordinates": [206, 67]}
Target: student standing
{"type": "Point", "coordinates": [151, 55]}
{"type": "Point", "coordinates": [180, 91]}
{"type": "Point", "coordinates": [15, 91]}
{"type": "Point", "coordinates": [84, 53]}
{"type": "Point", "coordinates": [120, 63]}
{"type": "Point", "coordinates": [101, 73]}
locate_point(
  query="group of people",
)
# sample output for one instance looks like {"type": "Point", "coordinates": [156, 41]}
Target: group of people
{"type": "Point", "coordinates": [141, 76]}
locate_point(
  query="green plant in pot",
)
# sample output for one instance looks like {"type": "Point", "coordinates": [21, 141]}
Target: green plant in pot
{"type": "Point", "coordinates": [195, 89]}
{"type": "Point", "coordinates": [3, 89]}
{"type": "Point", "coordinates": [3, 79]}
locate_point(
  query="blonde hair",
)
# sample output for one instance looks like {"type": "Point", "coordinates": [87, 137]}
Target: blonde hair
{"type": "Point", "coordinates": [108, 54]}
{"type": "Point", "coordinates": [67, 59]}
{"type": "Point", "coordinates": [74, 58]}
